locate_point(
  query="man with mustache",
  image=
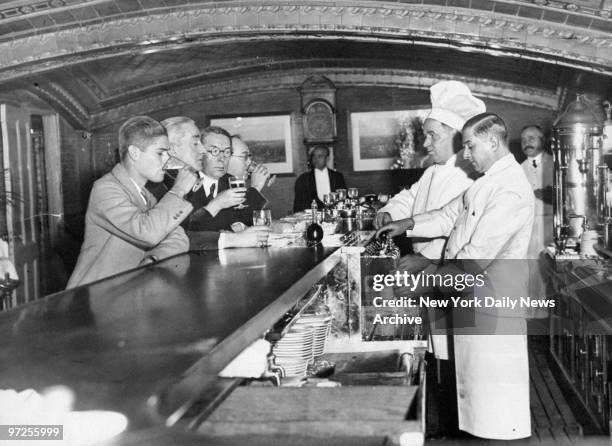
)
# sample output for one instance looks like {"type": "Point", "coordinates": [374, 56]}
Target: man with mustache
{"type": "Point", "coordinates": [538, 168]}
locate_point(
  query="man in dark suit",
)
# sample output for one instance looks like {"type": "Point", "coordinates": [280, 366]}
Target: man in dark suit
{"type": "Point", "coordinates": [215, 223]}
{"type": "Point", "coordinates": [318, 182]}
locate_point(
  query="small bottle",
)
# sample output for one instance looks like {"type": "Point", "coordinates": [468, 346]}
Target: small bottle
{"type": "Point", "coordinates": [314, 231]}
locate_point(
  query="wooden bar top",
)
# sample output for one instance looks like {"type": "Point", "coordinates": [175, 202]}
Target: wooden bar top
{"type": "Point", "coordinates": [146, 342]}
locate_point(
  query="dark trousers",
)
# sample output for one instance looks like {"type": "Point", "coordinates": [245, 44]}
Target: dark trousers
{"type": "Point", "coordinates": [441, 398]}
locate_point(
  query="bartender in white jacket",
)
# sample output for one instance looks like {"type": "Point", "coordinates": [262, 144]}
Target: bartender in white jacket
{"type": "Point", "coordinates": [491, 220]}
{"type": "Point", "coordinates": [452, 104]}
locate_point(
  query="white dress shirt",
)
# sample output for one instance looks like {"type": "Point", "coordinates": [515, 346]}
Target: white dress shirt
{"type": "Point", "coordinates": [539, 170]}
{"type": "Point", "coordinates": [207, 182]}
{"type": "Point", "coordinates": [322, 182]}
{"type": "Point", "coordinates": [540, 176]}
{"type": "Point", "coordinates": [491, 220]}
{"type": "Point", "coordinates": [438, 185]}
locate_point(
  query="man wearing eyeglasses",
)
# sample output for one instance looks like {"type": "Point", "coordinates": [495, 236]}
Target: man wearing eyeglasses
{"type": "Point", "coordinates": [209, 226]}
{"type": "Point", "coordinates": [241, 164]}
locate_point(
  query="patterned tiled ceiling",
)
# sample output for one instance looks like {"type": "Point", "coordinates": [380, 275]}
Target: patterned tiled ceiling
{"type": "Point", "coordinates": [93, 57]}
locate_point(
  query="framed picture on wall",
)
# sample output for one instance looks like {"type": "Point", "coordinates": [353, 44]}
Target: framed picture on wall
{"type": "Point", "coordinates": [377, 137]}
{"type": "Point", "coordinates": [268, 137]}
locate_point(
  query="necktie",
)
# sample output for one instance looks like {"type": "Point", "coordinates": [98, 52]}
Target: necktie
{"type": "Point", "coordinates": [212, 190]}
{"type": "Point", "coordinates": [534, 163]}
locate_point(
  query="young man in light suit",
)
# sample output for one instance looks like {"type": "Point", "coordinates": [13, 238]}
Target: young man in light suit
{"type": "Point", "coordinates": [125, 226]}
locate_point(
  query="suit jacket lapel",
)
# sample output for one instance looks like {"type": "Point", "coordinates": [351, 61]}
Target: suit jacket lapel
{"type": "Point", "coordinates": [312, 185]}
{"type": "Point", "coordinates": [126, 182]}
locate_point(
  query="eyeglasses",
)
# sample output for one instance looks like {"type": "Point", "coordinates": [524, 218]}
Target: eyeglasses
{"type": "Point", "coordinates": [217, 151]}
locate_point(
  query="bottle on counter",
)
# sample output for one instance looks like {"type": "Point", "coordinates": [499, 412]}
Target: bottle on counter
{"type": "Point", "coordinates": [314, 231]}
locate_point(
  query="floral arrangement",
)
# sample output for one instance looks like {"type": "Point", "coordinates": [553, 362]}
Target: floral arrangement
{"type": "Point", "coordinates": [409, 143]}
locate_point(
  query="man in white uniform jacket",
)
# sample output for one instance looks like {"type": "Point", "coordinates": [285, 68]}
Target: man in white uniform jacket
{"type": "Point", "coordinates": [491, 220]}
{"type": "Point", "coordinates": [451, 174]}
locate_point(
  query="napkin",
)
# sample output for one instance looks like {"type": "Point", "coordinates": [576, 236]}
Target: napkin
{"type": "Point", "coordinates": [251, 363]}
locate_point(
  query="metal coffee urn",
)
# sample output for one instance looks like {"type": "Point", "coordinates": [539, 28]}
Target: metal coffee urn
{"type": "Point", "coordinates": [579, 191]}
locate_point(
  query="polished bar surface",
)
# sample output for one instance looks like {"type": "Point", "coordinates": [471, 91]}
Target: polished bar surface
{"type": "Point", "coordinates": [161, 331]}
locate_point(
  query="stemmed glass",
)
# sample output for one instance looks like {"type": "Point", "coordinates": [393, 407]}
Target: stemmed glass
{"type": "Point", "coordinates": [353, 192]}
{"type": "Point", "coordinates": [341, 194]}
{"type": "Point", "coordinates": [327, 200]}
{"type": "Point", "coordinates": [334, 197]}
{"type": "Point", "coordinates": [235, 182]}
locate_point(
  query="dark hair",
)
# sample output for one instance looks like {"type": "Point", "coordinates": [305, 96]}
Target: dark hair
{"type": "Point", "coordinates": [216, 130]}
{"type": "Point", "coordinates": [534, 126]}
{"type": "Point", "coordinates": [488, 124]}
{"type": "Point", "coordinates": [138, 131]}
{"type": "Point", "coordinates": [313, 148]}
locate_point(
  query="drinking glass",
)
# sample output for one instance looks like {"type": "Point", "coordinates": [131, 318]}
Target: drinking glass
{"type": "Point", "coordinates": [262, 217]}
{"type": "Point", "coordinates": [327, 200]}
{"type": "Point", "coordinates": [341, 194]}
{"type": "Point", "coordinates": [235, 182]}
{"type": "Point", "coordinates": [353, 192]}
{"type": "Point", "coordinates": [334, 197]}
{"type": "Point", "coordinates": [175, 163]}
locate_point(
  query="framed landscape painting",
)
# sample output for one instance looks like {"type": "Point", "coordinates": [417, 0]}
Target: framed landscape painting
{"type": "Point", "coordinates": [268, 138]}
{"type": "Point", "coordinates": [375, 135]}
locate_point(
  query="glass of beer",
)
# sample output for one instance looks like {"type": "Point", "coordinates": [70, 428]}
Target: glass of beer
{"type": "Point", "coordinates": [174, 163]}
{"type": "Point", "coordinates": [235, 182]}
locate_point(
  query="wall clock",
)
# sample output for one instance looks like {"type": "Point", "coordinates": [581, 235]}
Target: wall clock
{"type": "Point", "coordinates": [319, 121]}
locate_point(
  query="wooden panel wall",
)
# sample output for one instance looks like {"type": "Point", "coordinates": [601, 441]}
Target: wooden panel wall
{"type": "Point", "coordinates": [349, 100]}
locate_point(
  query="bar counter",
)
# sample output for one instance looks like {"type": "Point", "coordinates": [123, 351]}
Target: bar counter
{"type": "Point", "coordinates": [147, 342]}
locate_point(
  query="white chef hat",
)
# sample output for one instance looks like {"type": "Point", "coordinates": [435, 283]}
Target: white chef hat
{"type": "Point", "coordinates": [452, 104]}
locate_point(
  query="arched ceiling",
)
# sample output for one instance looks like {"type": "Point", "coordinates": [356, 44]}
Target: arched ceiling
{"type": "Point", "coordinates": [97, 60]}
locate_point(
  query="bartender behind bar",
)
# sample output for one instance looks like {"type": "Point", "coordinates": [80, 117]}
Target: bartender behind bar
{"type": "Point", "coordinates": [452, 104]}
{"type": "Point", "coordinates": [491, 220]}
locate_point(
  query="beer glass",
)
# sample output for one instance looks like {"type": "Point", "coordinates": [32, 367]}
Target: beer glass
{"type": "Point", "coordinates": [235, 182]}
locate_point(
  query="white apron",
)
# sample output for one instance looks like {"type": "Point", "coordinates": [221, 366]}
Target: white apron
{"type": "Point", "coordinates": [492, 374]}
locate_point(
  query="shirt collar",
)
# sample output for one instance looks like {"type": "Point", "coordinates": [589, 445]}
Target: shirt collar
{"type": "Point", "coordinates": [449, 162]}
{"type": "Point", "coordinates": [499, 165]}
{"type": "Point", "coordinates": [208, 181]}
{"type": "Point", "coordinates": [537, 158]}
{"type": "Point", "coordinates": [320, 171]}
